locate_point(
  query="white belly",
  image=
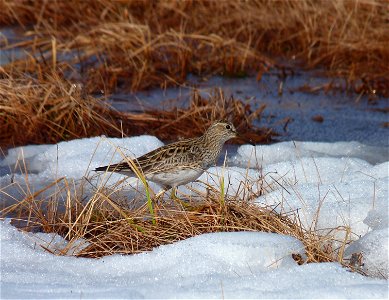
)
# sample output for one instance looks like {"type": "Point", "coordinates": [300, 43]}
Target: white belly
{"type": "Point", "coordinates": [175, 178]}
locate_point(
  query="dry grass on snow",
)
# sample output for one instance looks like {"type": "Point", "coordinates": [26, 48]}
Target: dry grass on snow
{"type": "Point", "coordinates": [100, 219]}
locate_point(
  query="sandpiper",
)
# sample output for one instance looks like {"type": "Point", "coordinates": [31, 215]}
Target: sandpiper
{"type": "Point", "coordinates": [180, 162]}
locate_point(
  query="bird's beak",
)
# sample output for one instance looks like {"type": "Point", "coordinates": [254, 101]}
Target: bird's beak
{"type": "Point", "coordinates": [248, 141]}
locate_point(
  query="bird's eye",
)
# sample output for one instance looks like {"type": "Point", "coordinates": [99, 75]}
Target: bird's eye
{"type": "Point", "coordinates": [228, 127]}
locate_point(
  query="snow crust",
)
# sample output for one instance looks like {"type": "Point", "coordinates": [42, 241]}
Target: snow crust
{"type": "Point", "coordinates": [341, 185]}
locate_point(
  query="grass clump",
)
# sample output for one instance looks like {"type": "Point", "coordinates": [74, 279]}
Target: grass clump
{"type": "Point", "coordinates": [203, 110]}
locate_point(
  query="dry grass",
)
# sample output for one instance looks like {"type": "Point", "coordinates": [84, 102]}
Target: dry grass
{"type": "Point", "coordinates": [35, 111]}
{"type": "Point", "coordinates": [51, 109]}
{"type": "Point", "coordinates": [203, 111]}
{"type": "Point", "coordinates": [139, 44]}
{"type": "Point", "coordinates": [75, 49]}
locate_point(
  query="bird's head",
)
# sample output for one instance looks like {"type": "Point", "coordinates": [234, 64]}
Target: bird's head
{"type": "Point", "coordinates": [222, 131]}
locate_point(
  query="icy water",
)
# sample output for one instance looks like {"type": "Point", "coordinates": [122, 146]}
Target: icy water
{"type": "Point", "coordinates": [345, 117]}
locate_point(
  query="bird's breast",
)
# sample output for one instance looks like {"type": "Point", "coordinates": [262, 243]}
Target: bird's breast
{"type": "Point", "coordinates": [176, 177]}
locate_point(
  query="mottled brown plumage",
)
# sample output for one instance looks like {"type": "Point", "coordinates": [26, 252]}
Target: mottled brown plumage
{"type": "Point", "coordinates": [180, 162]}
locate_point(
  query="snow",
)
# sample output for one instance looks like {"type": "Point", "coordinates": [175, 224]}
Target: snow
{"type": "Point", "coordinates": [293, 150]}
{"type": "Point", "coordinates": [74, 159]}
{"type": "Point", "coordinates": [331, 186]}
{"type": "Point", "coordinates": [78, 157]}
{"type": "Point", "coordinates": [217, 265]}
{"type": "Point", "coordinates": [341, 186]}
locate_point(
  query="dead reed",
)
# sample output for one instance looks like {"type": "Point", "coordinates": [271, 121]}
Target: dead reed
{"type": "Point", "coordinates": [51, 109]}
{"type": "Point", "coordinates": [139, 44]}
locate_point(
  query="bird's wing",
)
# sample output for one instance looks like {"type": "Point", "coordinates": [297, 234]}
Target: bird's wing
{"type": "Point", "coordinates": [161, 159]}
{"type": "Point", "coordinates": [166, 157]}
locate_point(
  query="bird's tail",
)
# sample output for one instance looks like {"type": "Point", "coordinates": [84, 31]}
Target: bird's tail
{"type": "Point", "coordinates": [110, 168]}
{"type": "Point", "coordinates": [104, 168]}
{"type": "Point", "coordinates": [119, 168]}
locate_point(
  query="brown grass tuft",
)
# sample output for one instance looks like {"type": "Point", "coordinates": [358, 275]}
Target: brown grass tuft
{"type": "Point", "coordinates": [203, 111]}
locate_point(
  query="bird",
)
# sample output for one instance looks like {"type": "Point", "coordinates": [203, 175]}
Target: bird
{"type": "Point", "coordinates": [181, 162]}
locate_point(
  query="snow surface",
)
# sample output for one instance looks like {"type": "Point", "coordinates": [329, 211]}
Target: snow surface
{"type": "Point", "coordinates": [341, 185]}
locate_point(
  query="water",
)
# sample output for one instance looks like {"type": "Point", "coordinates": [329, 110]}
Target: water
{"type": "Point", "coordinates": [345, 117]}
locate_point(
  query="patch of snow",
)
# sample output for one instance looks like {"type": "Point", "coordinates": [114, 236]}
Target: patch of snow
{"type": "Point", "coordinates": [327, 206]}
{"type": "Point", "coordinates": [374, 249]}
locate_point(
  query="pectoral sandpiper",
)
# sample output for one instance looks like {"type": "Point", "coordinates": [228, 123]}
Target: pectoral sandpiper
{"type": "Point", "coordinates": [180, 162]}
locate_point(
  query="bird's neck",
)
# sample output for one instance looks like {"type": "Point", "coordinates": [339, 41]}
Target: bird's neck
{"type": "Point", "coordinates": [210, 141]}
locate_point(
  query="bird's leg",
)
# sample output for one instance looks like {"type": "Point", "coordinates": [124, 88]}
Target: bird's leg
{"type": "Point", "coordinates": [173, 193]}
{"type": "Point", "coordinates": [174, 197]}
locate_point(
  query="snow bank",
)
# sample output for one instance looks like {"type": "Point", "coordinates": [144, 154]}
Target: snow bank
{"type": "Point", "coordinates": [374, 245]}
{"type": "Point", "coordinates": [327, 206]}
{"type": "Point", "coordinates": [217, 265]}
